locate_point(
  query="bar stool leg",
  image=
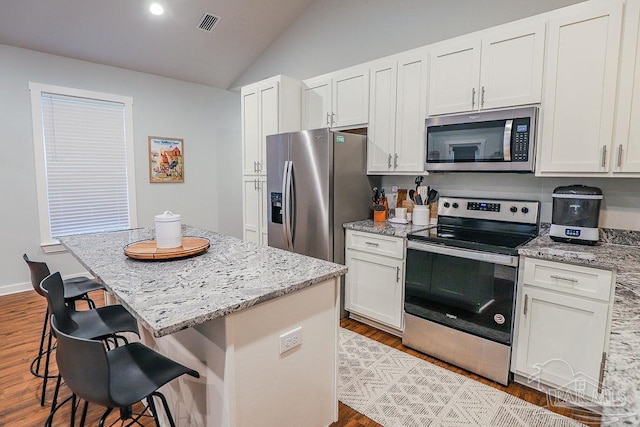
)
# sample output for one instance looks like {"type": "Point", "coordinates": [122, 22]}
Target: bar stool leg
{"type": "Point", "coordinates": [46, 370]}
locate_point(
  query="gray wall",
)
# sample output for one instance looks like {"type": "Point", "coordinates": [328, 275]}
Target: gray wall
{"type": "Point", "coordinates": [334, 34]}
{"type": "Point", "coordinates": [207, 118]}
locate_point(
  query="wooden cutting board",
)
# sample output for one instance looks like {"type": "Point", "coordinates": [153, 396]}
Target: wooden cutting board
{"type": "Point", "coordinates": [147, 249]}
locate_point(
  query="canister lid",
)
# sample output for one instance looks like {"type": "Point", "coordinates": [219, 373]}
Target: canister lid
{"type": "Point", "coordinates": [168, 216]}
{"type": "Point", "coordinates": [577, 190]}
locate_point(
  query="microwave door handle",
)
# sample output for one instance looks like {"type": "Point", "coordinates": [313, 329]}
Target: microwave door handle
{"type": "Point", "coordinates": [506, 142]}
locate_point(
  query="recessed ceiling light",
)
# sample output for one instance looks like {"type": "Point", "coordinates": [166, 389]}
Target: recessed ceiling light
{"type": "Point", "coordinates": [156, 9]}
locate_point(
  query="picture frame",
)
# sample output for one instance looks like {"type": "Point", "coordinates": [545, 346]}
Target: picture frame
{"type": "Point", "coordinates": [166, 159]}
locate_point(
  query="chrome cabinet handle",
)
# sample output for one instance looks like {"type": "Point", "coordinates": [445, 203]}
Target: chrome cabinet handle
{"type": "Point", "coordinates": [255, 184]}
{"type": "Point", "coordinates": [395, 161]}
{"type": "Point", "coordinates": [333, 120]}
{"type": "Point", "coordinates": [255, 166]}
{"type": "Point", "coordinates": [604, 155]}
{"type": "Point", "coordinates": [619, 161]}
{"type": "Point", "coordinates": [397, 274]}
{"type": "Point", "coordinates": [568, 279]}
{"type": "Point", "coordinates": [526, 303]}
{"type": "Point", "coordinates": [375, 245]}
{"type": "Point", "coordinates": [482, 97]}
{"type": "Point", "coordinates": [389, 162]}
{"type": "Point", "coordinates": [328, 115]}
{"type": "Point", "coordinates": [473, 97]}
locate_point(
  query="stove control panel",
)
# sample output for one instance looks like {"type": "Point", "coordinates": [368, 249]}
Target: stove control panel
{"type": "Point", "coordinates": [483, 206]}
{"type": "Point", "coordinates": [522, 211]}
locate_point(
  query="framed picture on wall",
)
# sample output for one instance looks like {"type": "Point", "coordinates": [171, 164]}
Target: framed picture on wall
{"type": "Point", "coordinates": [166, 159]}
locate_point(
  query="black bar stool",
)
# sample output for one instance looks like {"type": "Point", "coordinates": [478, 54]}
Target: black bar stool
{"type": "Point", "coordinates": [99, 323]}
{"type": "Point", "coordinates": [114, 379]}
{"type": "Point", "coordinates": [75, 289]}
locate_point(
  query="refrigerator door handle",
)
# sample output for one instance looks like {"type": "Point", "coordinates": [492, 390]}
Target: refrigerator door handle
{"type": "Point", "coordinates": [286, 202]}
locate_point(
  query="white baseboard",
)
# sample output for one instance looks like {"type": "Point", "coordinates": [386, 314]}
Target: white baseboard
{"type": "Point", "coordinates": [26, 286]}
{"type": "Point", "coordinates": [15, 288]}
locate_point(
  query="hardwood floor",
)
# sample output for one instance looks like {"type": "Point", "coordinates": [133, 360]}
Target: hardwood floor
{"type": "Point", "coordinates": [20, 325]}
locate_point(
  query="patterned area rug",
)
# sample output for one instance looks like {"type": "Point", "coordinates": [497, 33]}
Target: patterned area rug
{"type": "Point", "coordinates": [396, 389]}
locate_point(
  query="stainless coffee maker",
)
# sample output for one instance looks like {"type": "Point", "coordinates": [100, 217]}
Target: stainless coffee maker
{"type": "Point", "coordinates": [575, 215]}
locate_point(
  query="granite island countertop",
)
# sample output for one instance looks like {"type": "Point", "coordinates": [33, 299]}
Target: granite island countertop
{"type": "Point", "coordinates": [387, 228]}
{"type": "Point", "coordinates": [167, 296]}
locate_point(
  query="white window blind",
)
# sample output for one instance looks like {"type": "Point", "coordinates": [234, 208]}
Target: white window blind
{"type": "Point", "coordinates": [84, 160]}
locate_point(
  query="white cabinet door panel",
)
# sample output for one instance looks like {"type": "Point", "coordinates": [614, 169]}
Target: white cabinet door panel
{"type": "Point", "coordinates": [374, 287]}
{"type": "Point", "coordinates": [350, 98]}
{"type": "Point", "coordinates": [316, 105]}
{"type": "Point", "coordinates": [250, 132]}
{"type": "Point", "coordinates": [579, 94]}
{"type": "Point", "coordinates": [382, 114]}
{"type": "Point", "coordinates": [252, 210]}
{"type": "Point", "coordinates": [411, 112]}
{"type": "Point", "coordinates": [511, 71]}
{"type": "Point", "coordinates": [454, 78]}
{"type": "Point", "coordinates": [560, 339]}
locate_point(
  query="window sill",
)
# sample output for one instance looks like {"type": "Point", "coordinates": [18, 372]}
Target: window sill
{"type": "Point", "coordinates": [53, 247]}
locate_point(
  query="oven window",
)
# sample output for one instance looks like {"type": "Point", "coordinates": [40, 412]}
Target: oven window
{"type": "Point", "coordinates": [473, 296]}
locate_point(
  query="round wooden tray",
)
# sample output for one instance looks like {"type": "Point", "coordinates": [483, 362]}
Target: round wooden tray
{"type": "Point", "coordinates": [147, 249]}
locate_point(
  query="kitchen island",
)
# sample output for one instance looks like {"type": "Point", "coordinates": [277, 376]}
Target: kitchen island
{"type": "Point", "coordinates": [223, 313]}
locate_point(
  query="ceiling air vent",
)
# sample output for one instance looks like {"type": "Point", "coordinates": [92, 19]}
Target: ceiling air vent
{"type": "Point", "coordinates": [207, 22]}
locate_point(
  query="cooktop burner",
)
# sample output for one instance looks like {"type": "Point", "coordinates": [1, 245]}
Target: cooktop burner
{"type": "Point", "coordinates": [498, 226]}
{"type": "Point", "coordinates": [473, 239]}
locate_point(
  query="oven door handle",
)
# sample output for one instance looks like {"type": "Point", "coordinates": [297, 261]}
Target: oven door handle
{"type": "Point", "coordinates": [501, 259]}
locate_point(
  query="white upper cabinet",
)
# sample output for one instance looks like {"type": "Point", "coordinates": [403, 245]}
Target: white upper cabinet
{"type": "Point", "coordinates": [454, 77]}
{"type": "Point", "coordinates": [500, 68]}
{"type": "Point", "coordinates": [268, 107]}
{"type": "Point", "coordinates": [625, 153]}
{"type": "Point", "coordinates": [397, 110]}
{"type": "Point", "coordinates": [578, 104]}
{"type": "Point", "coordinates": [338, 100]}
{"type": "Point", "coordinates": [511, 66]}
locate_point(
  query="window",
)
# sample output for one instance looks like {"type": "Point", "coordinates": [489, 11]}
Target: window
{"type": "Point", "coordinates": [84, 162]}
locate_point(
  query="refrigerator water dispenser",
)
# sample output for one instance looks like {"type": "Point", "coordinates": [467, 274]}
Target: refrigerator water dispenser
{"type": "Point", "coordinates": [276, 208]}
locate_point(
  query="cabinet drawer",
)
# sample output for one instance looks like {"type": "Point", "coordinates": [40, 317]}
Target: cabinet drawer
{"type": "Point", "coordinates": [376, 244]}
{"type": "Point", "coordinates": [572, 279]}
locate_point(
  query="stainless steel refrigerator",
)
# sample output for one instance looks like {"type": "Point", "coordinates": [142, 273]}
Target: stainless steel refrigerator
{"type": "Point", "coordinates": [316, 181]}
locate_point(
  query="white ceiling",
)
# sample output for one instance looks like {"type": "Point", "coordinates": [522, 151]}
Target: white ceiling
{"type": "Point", "coordinates": [122, 33]}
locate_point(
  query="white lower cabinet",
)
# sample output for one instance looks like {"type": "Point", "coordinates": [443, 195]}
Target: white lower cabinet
{"type": "Point", "coordinates": [563, 326]}
{"type": "Point", "coordinates": [374, 284]}
{"type": "Point", "coordinates": [254, 209]}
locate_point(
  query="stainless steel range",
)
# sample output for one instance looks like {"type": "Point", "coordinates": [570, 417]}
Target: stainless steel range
{"type": "Point", "coordinates": [461, 280]}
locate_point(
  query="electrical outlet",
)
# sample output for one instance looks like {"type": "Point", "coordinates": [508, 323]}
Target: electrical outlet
{"type": "Point", "coordinates": [290, 339]}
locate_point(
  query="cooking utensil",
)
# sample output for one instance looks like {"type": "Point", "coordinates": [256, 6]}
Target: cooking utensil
{"type": "Point", "coordinates": [418, 181]}
{"type": "Point", "coordinates": [411, 194]}
{"type": "Point", "coordinates": [424, 194]}
{"type": "Point", "coordinates": [433, 194]}
{"type": "Point", "coordinates": [418, 200]}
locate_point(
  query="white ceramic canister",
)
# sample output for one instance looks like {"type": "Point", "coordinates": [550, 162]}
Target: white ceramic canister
{"type": "Point", "coordinates": [420, 215]}
{"type": "Point", "coordinates": [168, 231]}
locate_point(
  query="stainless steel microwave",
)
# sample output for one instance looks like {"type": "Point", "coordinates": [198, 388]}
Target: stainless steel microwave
{"type": "Point", "coordinates": [488, 141]}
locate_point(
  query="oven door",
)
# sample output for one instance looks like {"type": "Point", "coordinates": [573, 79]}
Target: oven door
{"type": "Point", "coordinates": [467, 290]}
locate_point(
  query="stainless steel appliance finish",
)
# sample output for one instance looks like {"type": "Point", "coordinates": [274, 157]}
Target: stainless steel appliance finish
{"type": "Point", "coordinates": [316, 181]}
{"type": "Point", "coordinates": [461, 280]}
{"type": "Point", "coordinates": [575, 214]}
{"type": "Point", "coordinates": [488, 141]}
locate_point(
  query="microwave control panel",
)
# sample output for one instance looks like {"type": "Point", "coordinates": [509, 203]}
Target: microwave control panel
{"type": "Point", "coordinates": [520, 140]}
